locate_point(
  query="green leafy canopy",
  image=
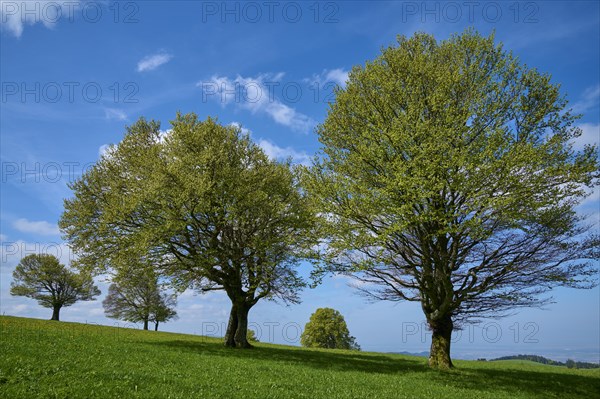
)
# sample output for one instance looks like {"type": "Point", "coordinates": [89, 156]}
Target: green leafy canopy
{"type": "Point", "coordinates": [448, 176]}
{"type": "Point", "coordinates": [42, 277]}
{"type": "Point", "coordinates": [327, 329]}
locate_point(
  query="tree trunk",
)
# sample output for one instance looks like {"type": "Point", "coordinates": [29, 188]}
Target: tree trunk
{"type": "Point", "coordinates": [241, 333]}
{"type": "Point", "coordinates": [439, 355]}
{"type": "Point", "coordinates": [156, 326]}
{"type": "Point", "coordinates": [231, 327]}
{"type": "Point", "coordinates": [145, 324]}
{"type": "Point", "coordinates": [55, 313]}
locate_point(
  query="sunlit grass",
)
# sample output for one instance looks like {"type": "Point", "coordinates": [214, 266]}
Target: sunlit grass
{"type": "Point", "coordinates": [44, 359]}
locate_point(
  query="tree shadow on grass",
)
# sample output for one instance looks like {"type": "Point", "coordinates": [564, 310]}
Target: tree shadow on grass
{"type": "Point", "coordinates": [330, 360]}
{"type": "Point", "coordinates": [544, 382]}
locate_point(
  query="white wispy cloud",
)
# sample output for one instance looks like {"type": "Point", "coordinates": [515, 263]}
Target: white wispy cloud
{"type": "Point", "coordinates": [105, 149]}
{"type": "Point", "coordinates": [282, 153]}
{"type": "Point", "coordinates": [152, 62]}
{"type": "Point", "coordinates": [590, 135]}
{"type": "Point", "coordinates": [338, 76]}
{"type": "Point", "coordinates": [589, 99]}
{"type": "Point", "coordinates": [274, 151]}
{"type": "Point", "coordinates": [256, 94]}
{"type": "Point", "coordinates": [14, 15]}
{"type": "Point", "coordinates": [36, 227]}
{"type": "Point", "coordinates": [239, 126]}
{"type": "Point", "coordinates": [114, 113]}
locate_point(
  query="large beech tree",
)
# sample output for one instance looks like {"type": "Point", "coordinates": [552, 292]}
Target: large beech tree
{"type": "Point", "coordinates": [42, 277]}
{"type": "Point", "coordinates": [204, 203]}
{"type": "Point", "coordinates": [447, 177]}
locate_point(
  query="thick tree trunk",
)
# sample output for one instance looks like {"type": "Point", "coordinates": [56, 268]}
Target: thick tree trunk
{"type": "Point", "coordinates": [145, 324]}
{"type": "Point", "coordinates": [439, 355]}
{"type": "Point", "coordinates": [56, 313]}
{"type": "Point", "coordinates": [231, 327]}
{"type": "Point", "coordinates": [241, 333]}
{"type": "Point", "coordinates": [156, 326]}
{"type": "Point", "coordinates": [237, 328]}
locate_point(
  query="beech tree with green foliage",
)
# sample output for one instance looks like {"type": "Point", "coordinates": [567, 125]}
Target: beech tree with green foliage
{"type": "Point", "coordinates": [327, 329]}
{"type": "Point", "coordinates": [203, 203]}
{"type": "Point", "coordinates": [448, 177]}
{"type": "Point", "coordinates": [42, 277]}
{"type": "Point", "coordinates": [136, 296]}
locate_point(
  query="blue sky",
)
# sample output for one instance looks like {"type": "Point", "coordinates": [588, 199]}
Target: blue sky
{"type": "Point", "coordinates": [73, 74]}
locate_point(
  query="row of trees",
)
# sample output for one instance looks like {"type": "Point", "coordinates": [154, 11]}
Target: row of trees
{"type": "Point", "coordinates": [447, 177]}
{"type": "Point", "coordinates": [134, 296]}
{"type": "Point", "coordinates": [204, 205]}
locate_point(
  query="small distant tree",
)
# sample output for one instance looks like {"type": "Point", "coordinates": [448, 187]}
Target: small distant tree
{"type": "Point", "coordinates": [252, 336]}
{"type": "Point", "coordinates": [571, 364]}
{"type": "Point", "coordinates": [135, 296]}
{"type": "Point", "coordinates": [164, 310]}
{"type": "Point", "coordinates": [327, 329]}
{"type": "Point", "coordinates": [42, 277]}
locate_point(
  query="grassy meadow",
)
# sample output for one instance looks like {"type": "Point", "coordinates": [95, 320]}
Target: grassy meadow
{"type": "Point", "coordinates": [46, 359]}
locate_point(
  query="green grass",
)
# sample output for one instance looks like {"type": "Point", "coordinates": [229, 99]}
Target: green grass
{"type": "Point", "coordinates": [44, 359]}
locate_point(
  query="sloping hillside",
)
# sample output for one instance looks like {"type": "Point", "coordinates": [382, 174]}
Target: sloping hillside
{"type": "Point", "coordinates": [70, 360]}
